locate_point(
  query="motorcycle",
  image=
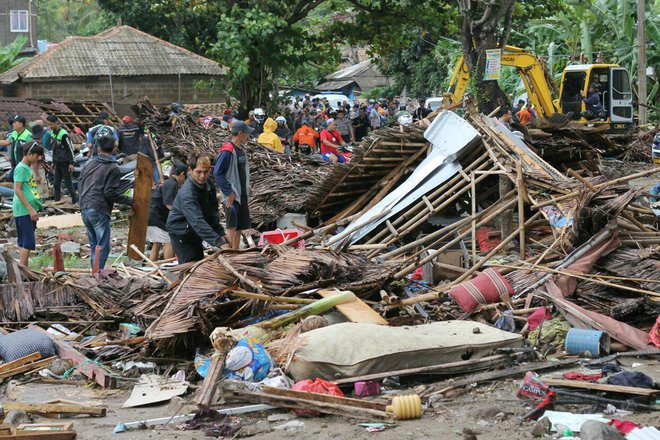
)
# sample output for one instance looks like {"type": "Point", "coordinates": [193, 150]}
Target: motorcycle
{"type": "Point", "coordinates": [126, 170]}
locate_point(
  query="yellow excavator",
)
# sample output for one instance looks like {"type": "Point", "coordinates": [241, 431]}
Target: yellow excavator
{"type": "Point", "coordinates": [614, 80]}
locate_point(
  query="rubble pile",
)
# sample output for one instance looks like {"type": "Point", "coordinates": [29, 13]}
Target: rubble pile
{"type": "Point", "coordinates": [445, 255]}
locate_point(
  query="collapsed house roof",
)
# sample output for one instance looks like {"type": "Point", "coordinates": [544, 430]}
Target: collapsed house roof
{"type": "Point", "coordinates": [120, 51]}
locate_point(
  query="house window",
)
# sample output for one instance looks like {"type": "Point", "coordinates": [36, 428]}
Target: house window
{"type": "Point", "coordinates": [19, 21]}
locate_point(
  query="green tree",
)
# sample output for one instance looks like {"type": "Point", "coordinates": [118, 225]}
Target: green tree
{"type": "Point", "coordinates": [9, 54]}
{"type": "Point", "coordinates": [262, 43]}
{"type": "Point", "coordinates": [59, 19]}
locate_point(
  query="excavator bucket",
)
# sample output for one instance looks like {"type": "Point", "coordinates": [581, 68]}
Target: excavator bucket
{"type": "Point", "coordinates": [556, 120]}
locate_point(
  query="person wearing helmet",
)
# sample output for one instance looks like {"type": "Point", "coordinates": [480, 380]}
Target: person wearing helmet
{"type": "Point", "coordinates": [282, 129]}
{"type": "Point", "coordinates": [268, 138]}
{"type": "Point", "coordinates": [258, 118]}
{"type": "Point", "coordinates": [403, 117]}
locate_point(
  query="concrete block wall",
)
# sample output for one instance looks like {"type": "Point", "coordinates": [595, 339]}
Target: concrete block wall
{"type": "Point", "coordinates": [126, 90]}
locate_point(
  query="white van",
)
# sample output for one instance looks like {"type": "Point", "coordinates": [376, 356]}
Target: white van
{"type": "Point", "coordinates": [334, 99]}
{"type": "Point", "coordinates": [433, 103]}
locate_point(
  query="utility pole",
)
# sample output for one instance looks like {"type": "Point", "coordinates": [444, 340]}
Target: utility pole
{"type": "Point", "coordinates": [641, 61]}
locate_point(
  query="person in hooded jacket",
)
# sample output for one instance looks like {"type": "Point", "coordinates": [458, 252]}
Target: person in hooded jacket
{"type": "Point", "coordinates": [268, 138]}
{"type": "Point", "coordinates": [99, 191]}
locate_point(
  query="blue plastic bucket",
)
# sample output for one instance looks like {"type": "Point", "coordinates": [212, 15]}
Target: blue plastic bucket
{"type": "Point", "coordinates": [587, 343]}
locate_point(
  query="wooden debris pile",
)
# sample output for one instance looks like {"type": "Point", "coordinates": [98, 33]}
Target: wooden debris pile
{"type": "Point", "coordinates": [278, 185]}
{"type": "Point", "coordinates": [221, 288]}
{"type": "Point", "coordinates": [640, 148]}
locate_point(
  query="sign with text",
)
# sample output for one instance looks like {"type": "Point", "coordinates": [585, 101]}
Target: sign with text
{"type": "Point", "coordinates": [492, 64]}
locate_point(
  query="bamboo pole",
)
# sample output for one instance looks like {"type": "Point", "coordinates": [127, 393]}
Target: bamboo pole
{"type": "Point", "coordinates": [520, 183]}
{"type": "Point", "coordinates": [269, 298]}
{"type": "Point", "coordinates": [447, 188]}
{"type": "Point", "coordinates": [151, 263]}
{"type": "Point", "coordinates": [432, 255]}
{"type": "Point", "coordinates": [594, 279]}
{"type": "Point", "coordinates": [473, 188]}
{"type": "Point", "coordinates": [598, 187]}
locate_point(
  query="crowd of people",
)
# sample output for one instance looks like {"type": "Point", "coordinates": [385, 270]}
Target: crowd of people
{"type": "Point", "coordinates": [309, 126]}
{"type": "Point", "coordinates": [184, 212]}
{"type": "Point", "coordinates": [184, 209]}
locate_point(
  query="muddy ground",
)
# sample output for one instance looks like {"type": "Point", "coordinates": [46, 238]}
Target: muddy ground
{"type": "Point", "coordinates": [490, 410]}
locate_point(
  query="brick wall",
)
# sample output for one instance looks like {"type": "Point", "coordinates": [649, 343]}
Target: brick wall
{"type": "Point", "coordinates": [126, 90]}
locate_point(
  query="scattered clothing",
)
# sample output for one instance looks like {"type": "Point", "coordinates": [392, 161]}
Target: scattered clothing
{"type": "Point", "coordinates": [631, 379]}
{"type": "Point", "coordinates": [582, 376]}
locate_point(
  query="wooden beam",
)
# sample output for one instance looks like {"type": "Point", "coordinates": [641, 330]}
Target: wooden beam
{"type": "Point", "coordinates": [357, 311]}
{"type": "Point", "coordinates": [144, 181]}
{"type": "Point", "coordinates": [599, 387]}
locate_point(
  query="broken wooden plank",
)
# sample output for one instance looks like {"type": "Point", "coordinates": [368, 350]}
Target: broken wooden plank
{"type": "Point", "coordinates": [90, 369]}
{"type": "Point", "coordinates": [63, 221]}
{"type": "Point", "coordinates": [324, 398]}
{"type": "Point", "coordinates": [444, 386]}
{"type": "Point", "coordinates": [357, 311]}
{"type": "Point", "coordinates": [314, 405]}
{"type": "Point", "coordinates": [144, 181]}
{"type": "Point", "coordinates": [207, 392]}
{"type": "Point", "coordinates": [54, 408]}
{"type": "Point", "coordinates": [28, 367]}
{"type": "Point", "coordinates": [448, 368]}
{"type": "Point", "coordinates": [21, 361]}
{"type": "Point", "coordinates": [599, 387]}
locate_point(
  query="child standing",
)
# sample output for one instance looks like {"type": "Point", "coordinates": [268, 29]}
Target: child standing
{"type": "Point", "coordinates": [27, 200]}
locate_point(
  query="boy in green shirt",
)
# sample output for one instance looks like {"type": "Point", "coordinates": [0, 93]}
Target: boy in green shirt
{"type": "Point", "coordinates": [27, 200]}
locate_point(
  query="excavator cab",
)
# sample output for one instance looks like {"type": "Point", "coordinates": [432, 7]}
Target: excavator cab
{"type": "Point", "coordinates": [615, 93]}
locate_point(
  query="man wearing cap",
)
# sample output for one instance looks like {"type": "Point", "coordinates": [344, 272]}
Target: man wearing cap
{"type": "Point", "coordinates": [102, 127]}
{"type": "Point", "coordinates": [129, 135]}
{"type": "Point", "coordinates": [232, 174]}
{"type": "Point", "coordinates": [344, 125]}
{"type": "Point", "coordinates": [162, 198]}
{"type": "Point", "coordinates": [62, 150]}
{"type": "Point", "coordinates": [16, 141]}
{"type": "Point", "coordinates": [195, 217]}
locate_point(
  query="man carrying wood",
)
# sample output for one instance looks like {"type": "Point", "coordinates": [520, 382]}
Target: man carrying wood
{"type": "Point", "coordinates": [232, 174]}
{"type": "Point", "coordinates": [194, 217]}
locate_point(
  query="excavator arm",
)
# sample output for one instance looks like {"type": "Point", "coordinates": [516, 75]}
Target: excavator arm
{"type": "Point", "coordinates": [532, 73]}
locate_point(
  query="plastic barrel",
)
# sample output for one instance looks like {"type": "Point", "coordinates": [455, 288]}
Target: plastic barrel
{"type": "Point", "coordinates": [587, 343]}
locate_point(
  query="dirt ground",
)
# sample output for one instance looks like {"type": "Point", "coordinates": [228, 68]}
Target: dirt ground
{"type": "Point", "coordinates": [490, 410]}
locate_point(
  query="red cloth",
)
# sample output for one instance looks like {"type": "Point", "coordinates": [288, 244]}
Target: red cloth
{"type": "Point", "coordinates": [333, 137]}
{"type": "Point", "coordinates": [486, 288]}
{"type": "Point", "coordinates": [655, 333]}
{"type": "Point", "coordinates": [319, 386]}
{"type": "Point", "coordinates": [484, 241]}
{"type": "Point", "coordinates": [536, 318]}
{"type": "Point", "coordinates": [623, 426]}
{"type": "Point", "coordinates": [581, 376]}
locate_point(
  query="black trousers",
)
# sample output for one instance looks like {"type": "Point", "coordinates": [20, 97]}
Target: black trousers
{"type": "Point", "coordinates": [62, 172]}
{"type": "Point", "coordinates": [187, 248]}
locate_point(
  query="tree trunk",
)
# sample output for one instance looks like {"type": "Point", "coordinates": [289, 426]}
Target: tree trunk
{"type": "Point", "coordinates": [486, 25]}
